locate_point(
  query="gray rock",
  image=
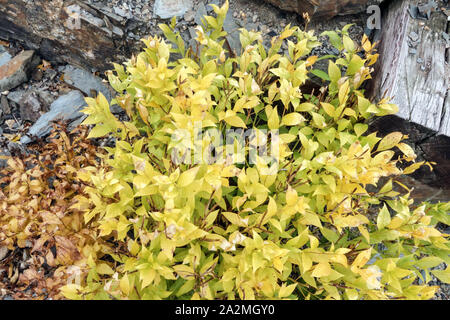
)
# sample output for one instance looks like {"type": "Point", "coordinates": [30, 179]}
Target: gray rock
{"type": "Point", "coordinates": [85, 81]}
{"type": "Point", "coordinates": [4, 56]}
{"type": "Point", "coordinates": [166, 9]}
{"type": "Point", "coordinates": [16, 70]}
{"type": "Point", "coordinates": [201, 11]}
{"type": "Point", "coordinates": [122, 13]}
{"type": "Point", "coordinates": [4, 105]}
{"type": "Point", "coordinates": [15, 96]}
{"type": "Point", "coordinates": [86, 16]}
{"type": "Point", "coordinates": [230, 26]}
{"type": "Point", "coordinates": [4, 153]}
{"type": "Point", "coordinates": [189, 16]}
{"type": "Point", "coordinates": [65, 108]}
{"type": "Point", "coordinates": [426, 9]}
{"type": "Point", "coordinates": [30, 106]}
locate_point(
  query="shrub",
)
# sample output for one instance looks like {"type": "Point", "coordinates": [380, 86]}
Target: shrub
{"type": "Point", "coordinates": [48, 240]}
{"type": "Point", "coordinates": [302, 226]}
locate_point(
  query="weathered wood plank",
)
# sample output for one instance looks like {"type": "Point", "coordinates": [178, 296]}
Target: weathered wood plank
{"type": "Point", "coordinates": [413, 71]}
{"type": "Point", "coordinates": [413, 68]}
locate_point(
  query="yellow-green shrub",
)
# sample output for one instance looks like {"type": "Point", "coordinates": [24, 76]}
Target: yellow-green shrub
{"type": "Point", "coordinates": [237, 231]}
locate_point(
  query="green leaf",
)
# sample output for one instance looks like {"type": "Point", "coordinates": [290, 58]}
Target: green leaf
{"type": "Point", "coordinates": [384, 218]}
{"type": "Point", "coordinates": [321, 74]}
{"type": "Point", "coordinates": [334, 72]}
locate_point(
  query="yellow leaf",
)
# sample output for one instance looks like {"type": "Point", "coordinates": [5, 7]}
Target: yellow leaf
{"type": "Point", "coordinates": [187, 177]}
{"type": "Point", "coordinates": [407, 151]}
{"type": "Point", "coordinates": [125, 285]}
{"type": "Point", "coordinates": [390, 141]}
{"type": "Point", "coordinates": [361, 259]}
{"type": "Point", "coordinates": [273, 121]}
{"type": "Point", "coordinates": [367, 46]}
{"type": "Point", "coordinates": [103, 268]}
{"type": "Point", "coordinates": [291, 196]}
{"type": "Point", "coordinates": [147, 276]}
{"type": "Point", "coordinates": [443, 275]}
{"type": "Point", "coordinates": [286, 291]}
{"type": "Point", "coordinates": [292, 119]}
{"type": "Point", "coordinates": [235, 121]}
{"type": "Point", "coordinates": [329, 108]}
{"type": "Point", "coordinates": [343, 92]}
{"type": "Point", "coordinates": [322, 269]}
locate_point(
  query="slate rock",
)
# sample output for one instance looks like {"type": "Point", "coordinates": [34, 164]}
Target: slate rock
{"type": "Point", "coordinates": [85, 81]}
{"type": "Point", "coordinates": [166, 9]}
{"type": "Point", "coordinates": [4, 105]}
{"type": "Point", "coordinates": [201, 12]}
{"type": "Point", "coordinates": [230, 26]}
{"type": "Point", "coordinates": [16, 96]}
{"type": "Point", "coordinates": [30, 107]}
{"type": "Point", "coordinates": [16, 70]}
{"type": "Point", "coordinates": [65, 108]}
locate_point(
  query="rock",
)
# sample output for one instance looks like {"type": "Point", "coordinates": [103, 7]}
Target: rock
{"type": "Point", "coordinates": [15, 96]}
{"type": "Point", "coordinates": [322, 8]}
{"type": "Point", "coordinates": [3, 154]}
{"type": "Point", "coordinates": [4, 105]}
{"type": "Point", "coordinates": [86, 82]}
{"type": "Point", "coordinates": [122, 13]}
{"type": "Point", "coordinates": [4, 56]}
{"type": "Point", "coordinates": [230, 26]}
{"type": "Point", "coordinates": [78, 36]}
{"type": "Point", "coordinates": [189, 16]}
{"type": "Point", "coordinates": [426, 9]}
{"type": "Point", "coordinates": [201, 12]}
{"type": "Point", "coordinates": [16, 70]}
{"type": "Point", "coordinates": [166, 9]}
{"type": "Point", "coordinates": [65, 108]}
{"type": "Point", "coordinates": [30, 107]}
